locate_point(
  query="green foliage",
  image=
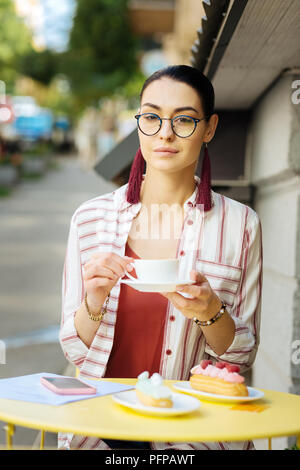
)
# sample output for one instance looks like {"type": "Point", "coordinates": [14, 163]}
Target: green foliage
{"type": "Point", "coordinates": [295, 447]}
{"type": "Point", "coordinates": [60, 103]}
{"type": "Point", "coordinates": [41, 66]}
{"type": "Point", "coordinates": [38, 150]}
{"type": "Point", "coordinates": [102, 49]}
{"type": "Point", "coordinates": [101, 59]}
{"type": "Point", "coordinates": [5, 192]}
{"type": "Point", "coordinates": [132, 89]}
{"type": "Point", "coordinates": [15, 41]}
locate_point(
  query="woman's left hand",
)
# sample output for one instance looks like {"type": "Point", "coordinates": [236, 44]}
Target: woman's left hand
{"type": "Point", "coordinates": [203, 304]}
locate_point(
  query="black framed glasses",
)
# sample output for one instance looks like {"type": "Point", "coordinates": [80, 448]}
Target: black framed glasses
{"type": "Point", "coordinates": [183, 126]}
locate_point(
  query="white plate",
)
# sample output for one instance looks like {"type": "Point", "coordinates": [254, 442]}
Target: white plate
{"type": "Point", "coordinates": [143, 286]}
{"type": "Point", "coordinates": [185, 387]}
{"type": "Point", "coordinates": [182, 404]}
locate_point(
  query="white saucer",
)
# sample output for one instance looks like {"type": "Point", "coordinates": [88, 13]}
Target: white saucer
{"type": "Point", "coordinates": [143, 286]}
{"type": "Point", "coordinates": [185, 387]}
{"type": "Point", "coordinates": [182, 404]}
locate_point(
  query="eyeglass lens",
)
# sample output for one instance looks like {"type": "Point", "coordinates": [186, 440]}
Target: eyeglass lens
{"type": "Point", "coordinates": [150, 124]}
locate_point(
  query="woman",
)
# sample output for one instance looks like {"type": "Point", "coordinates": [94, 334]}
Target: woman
{"type": "Point", "coordinates": [109, 329]}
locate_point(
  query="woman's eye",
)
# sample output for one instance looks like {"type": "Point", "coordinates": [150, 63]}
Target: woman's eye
{"type": "Point", "coordinates": [151, 118]}
{"type": "Point", "coordinates": [184, 120]}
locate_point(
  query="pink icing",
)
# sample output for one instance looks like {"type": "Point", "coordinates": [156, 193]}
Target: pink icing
{"type": "Point", "coordinates": [213, 371]}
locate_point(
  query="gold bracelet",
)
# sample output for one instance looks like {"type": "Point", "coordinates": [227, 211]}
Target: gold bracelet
{"type": "Point", "coordinates": [102, 311]}
{"type": "Point", "coordinates": [213, 319]}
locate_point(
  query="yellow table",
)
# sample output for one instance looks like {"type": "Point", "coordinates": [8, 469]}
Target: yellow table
{"type": "Point", "coordinates": [102, 417]}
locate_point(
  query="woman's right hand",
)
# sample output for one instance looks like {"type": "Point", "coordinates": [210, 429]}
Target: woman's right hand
{"type": "Point", "coordinates": [101, 273]}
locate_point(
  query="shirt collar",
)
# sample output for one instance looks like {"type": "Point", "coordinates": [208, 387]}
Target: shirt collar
{"type": "Point", "coordinates": [123, 204]}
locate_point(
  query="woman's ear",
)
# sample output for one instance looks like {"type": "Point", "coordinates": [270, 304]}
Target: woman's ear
{"type": "Point", "coordinates": [211, 128]}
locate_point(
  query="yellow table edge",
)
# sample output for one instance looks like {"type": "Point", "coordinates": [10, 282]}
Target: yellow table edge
{"type": "Point", "coordinates": [35, 424]}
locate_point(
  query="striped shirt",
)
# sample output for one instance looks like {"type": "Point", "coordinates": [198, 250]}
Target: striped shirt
{"type": "Point", "coordinates": [224, 244]}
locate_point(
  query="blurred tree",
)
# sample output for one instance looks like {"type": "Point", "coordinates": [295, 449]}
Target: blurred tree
{"type": "Point", "coordinates": [41, 66]}
{"type": "Point", "coordinates": [15, 40]}
{"type": "Point", "coordinates": [132, 89]}
{"type": "Point", "coordinates": [101, 59]}
{"type": "Point", "coordinates": [102, 53]}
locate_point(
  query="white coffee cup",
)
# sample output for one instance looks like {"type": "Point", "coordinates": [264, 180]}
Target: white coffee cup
{"type": "Point", "coordinates": [155, 270]}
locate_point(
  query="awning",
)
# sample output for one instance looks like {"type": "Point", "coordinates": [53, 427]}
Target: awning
{"type": "Point", "coordinates": [215, 12]}
{"type": "Point", "coordinates": [256, 44]}
{"type": "Point", "coordinates": [114, 164]}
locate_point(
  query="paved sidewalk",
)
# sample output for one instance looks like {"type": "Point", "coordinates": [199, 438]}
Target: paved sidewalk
{"type": "Point", "coordinates": [34, 229]}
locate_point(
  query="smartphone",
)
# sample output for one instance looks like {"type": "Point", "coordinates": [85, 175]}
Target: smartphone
{"type": "Point", "coordinates": [68, 386]}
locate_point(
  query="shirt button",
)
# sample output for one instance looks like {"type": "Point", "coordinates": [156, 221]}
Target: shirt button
{"type": "Point", "coordinates": [182, 253]}
{"type": "Point", "coordinates": [190, 222]}
{"type": "Point", "coordinates": [172, 318]}
{"type": "Point", "coordinates": [190, 204]}
{"type": "Point", "coordinates": [168, 352]}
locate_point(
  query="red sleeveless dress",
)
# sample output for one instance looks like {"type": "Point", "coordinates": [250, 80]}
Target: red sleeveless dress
{"type": "Point", "coordinates": [139, 331]}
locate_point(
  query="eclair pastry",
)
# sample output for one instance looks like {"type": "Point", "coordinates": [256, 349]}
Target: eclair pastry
{"type": "Point", "coordinates": [152, 392]}
{"type": "Point", "coordinates": [221, 379]}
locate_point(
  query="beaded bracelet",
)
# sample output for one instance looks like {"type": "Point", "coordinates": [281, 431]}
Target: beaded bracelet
{"type": "Point", "coordinates": [102, 311]}
{"type": "Point", "coordinates": [213, 319]}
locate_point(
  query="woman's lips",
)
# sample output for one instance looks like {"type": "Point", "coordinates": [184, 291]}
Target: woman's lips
{"type": "Point", "coordinates": [166, 152]}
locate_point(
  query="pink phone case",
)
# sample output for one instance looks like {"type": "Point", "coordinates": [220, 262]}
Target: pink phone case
{"type": "Point", "coordinates": [68, 391]}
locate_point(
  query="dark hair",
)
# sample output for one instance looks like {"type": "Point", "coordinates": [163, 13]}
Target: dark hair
{"type": "Point", "coordinates": [191, 76]}
{"type": "Point", "coordinates": [201, 84]}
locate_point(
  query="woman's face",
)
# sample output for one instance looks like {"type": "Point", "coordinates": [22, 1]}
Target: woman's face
{"type": "Point", "coordinates": [169, 98]}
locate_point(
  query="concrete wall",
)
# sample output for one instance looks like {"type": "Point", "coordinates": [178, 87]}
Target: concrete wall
{"type": "Point", "coordinates": [275, 156]}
